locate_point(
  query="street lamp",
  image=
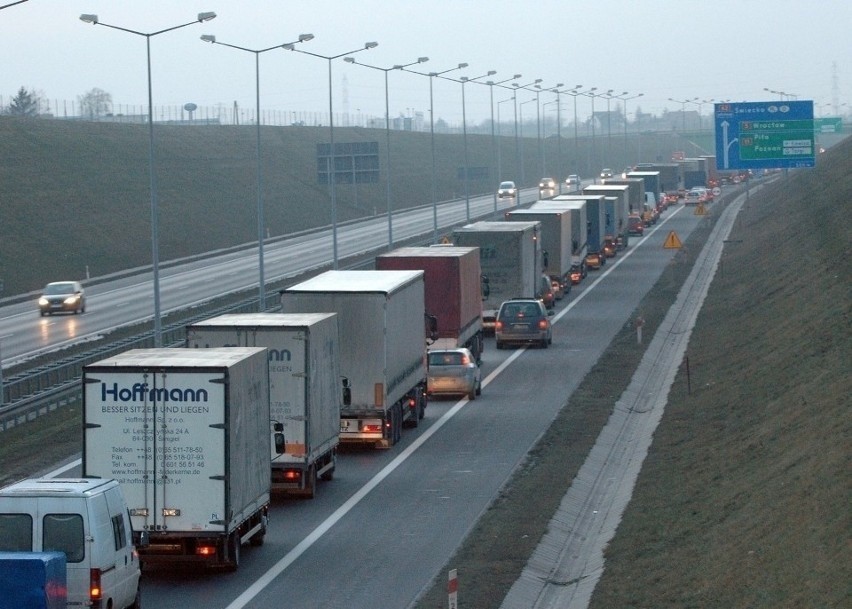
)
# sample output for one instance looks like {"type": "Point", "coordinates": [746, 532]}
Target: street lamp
{"type": "Point", "coordinates": [518, 151]}
{"type": "Point", "coordinates": [610, 96]}
{"type": "Point", "coordinates": [683, 103]}
{"type": "Point", "coordinates": [387, 131]}
{"type": "Point", "coordinates": [432, 76]}
{"type": "Point", "coordinates": [521, 110]}
{"type": "Point", "coordinates": [155, 252]}
{"type": "Point", "coordinates": [500, 134]}
{"type": "Point", "coordinates": [559, 126]}
{"type": "Point", "coordinates": [494, 153]}
{"type": "Point", "coordinates": [332, 174]}
{"type": "Point", "coordinates": [260, 220]}
{"type": "Point", "coordinates": [627, 99]}
{"type": "Point", "coordinates": [575, 92]}
{"type": "Point", "coordinates": [591, 93]}
{"type": "Point", "coordinates": [464, 80]}
{"type": "Point", "coordinates": [537, 92]}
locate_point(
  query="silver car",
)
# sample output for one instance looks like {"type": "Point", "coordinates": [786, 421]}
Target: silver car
{"type": "Point", "coordinates": [453, 372]}
{"type": "Point", "coordinates": [507, 190]}
{"type": "Point", "coordinates": [62, 296]}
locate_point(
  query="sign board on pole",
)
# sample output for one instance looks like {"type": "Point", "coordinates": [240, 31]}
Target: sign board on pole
{"type": "Point", "coordinates": [764, 135]}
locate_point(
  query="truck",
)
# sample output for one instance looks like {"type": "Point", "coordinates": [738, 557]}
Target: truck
{"type": "Point", "coordinates": [579, 226]}
{"type": "Point", "coordinates": [33, 580]}
{"type": "Point", "coordinates": [382, 325]}
{"type": "Point", "coordinates": [652, 180]}
{"type": "Point", "coordinates": [671, 176]}
{"type": "Point", "coordinates": [185, 432]}
{"type": "Point", "coordinates": [594, 209]}
{"type": "Point", "coordinates": [305, 393]}
{"type": "Point", "coordinates": [555, 242]}
{"type": "Point", "coordinates": [453, 284]}
{"type": "Point", "coordinates": [627, 196]}
{"type": "Point", "coordinates": [694, 171]}
{"type": "Point", "coordinates": [510, 256]}
{"type": "Point", "coordinates": [713, 177]}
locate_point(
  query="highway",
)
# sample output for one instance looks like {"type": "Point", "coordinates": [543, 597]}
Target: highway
{"type": "Point", "coordinates": [129, 300]}
{"type": "Point", "coordinates": [378, 533]}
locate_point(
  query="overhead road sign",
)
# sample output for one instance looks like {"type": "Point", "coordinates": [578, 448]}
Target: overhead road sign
{"type": "Point", "coordinates": [765, 135]}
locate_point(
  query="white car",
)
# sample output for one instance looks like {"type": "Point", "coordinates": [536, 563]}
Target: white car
{"type": "Point", "coordinates": [573, 182]}
{"type": "Point", "coordinates": [507, 190]}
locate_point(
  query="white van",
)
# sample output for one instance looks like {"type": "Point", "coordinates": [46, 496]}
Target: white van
{"type": "Point", "coordinates": [87, 520]}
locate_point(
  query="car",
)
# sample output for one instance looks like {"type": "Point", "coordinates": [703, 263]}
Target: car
{"type": "Point", "coordinates": [635, 225]}
{"type": "Point", "coordinates": [62, 296]}
{"type": "Point", "coordinates": [546, 293]}
{"type": "Point", "coordinates": [572, 182]}
{"type": "Point", "coordinates": [606, 172]}
{"type": "Point", "coordinates": [453, 372]}
{"type": "Point", "coordinates": [577, 273]}
{"type": "Point", "coordinates": [547, 187]}
{"type": "Point", "coordinates": [696, 196]}
{"type": "Point", "coordinates": [595, 260]}
{"type": "Point", "coordinates": [561, 287]}
{"type": "Point", "coordinates": [507, 190]}
{"type": "Point", "coordinates": [610, 245]}
{"type": "Point", "coordinates": [523, 321]}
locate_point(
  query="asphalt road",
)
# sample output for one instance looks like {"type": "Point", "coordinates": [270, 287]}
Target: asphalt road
{"type": "Point", "coordinates": [378, 533]}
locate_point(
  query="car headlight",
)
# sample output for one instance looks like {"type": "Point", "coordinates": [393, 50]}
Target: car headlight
{"type": "Point", "coordinates": [42, 302]}
{"type": "Point", "coordinates": [71, 300]}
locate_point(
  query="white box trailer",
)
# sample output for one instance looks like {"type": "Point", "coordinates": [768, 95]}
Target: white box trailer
{"type": "Point", "coordinates": [185, 432]}
{"type": "Point", "coordinates": [305, 392]}
{"type": "Point", "coordinates": [579, 224]}
{"type": "Point", "coordinates": [381, 317]}
{"type": "Point", "coordinates": [510, 257]}
{"type": "Point", "coordinates": [555, 240]}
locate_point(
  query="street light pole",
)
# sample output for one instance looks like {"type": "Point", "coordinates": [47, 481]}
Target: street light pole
{"type": "Point", "coordinates": [332, 174]}
{"type": "Point", "coordinates": [155, 238]}
{"type": "Point", "coordinates": [494, 152]}
{"type": "Point", "coordinates": [523, 168]}
{"type": "Point", "coordinates": [593, 158]}
{"type": "Point", "coordinates": [464, 80]}
{"type": "Point", "coordinates": [520, 152]}
{"type": "Point", "coordinates": [387, 131]}
{"type": "Point", "coordinates": [432, 76]}
{"type": "Point", "coordinates": [609, 96]}
{"type": "Point", "coordinates": [260, 220]}
{"type": "Point", "coordinates": [627, 99]}
{"type": "Point", "coordinates": [683, 103]}
{"type": "Point", "coordinates": [500, 135]}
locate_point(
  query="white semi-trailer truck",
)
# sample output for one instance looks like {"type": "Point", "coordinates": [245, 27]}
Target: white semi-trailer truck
{"type": "Point", "coordinates": [185, 432]}
{"type": "Point", "coordinates": [382, 325]}
{"type": "Point", "coordinates": [305, 391]}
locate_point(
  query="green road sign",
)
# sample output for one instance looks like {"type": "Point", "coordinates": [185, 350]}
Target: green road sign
{"type": "Point", "coordinates": [776, 139]}
{"type": "Point", "coordinates": [831, 124]}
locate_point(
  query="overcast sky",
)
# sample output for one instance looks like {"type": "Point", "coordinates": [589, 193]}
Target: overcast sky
{"type": "Point", "coordinates": [681, 49]}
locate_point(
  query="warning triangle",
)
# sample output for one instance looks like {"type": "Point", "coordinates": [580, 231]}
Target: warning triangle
{"type": "Point", "coordinates": [700, 210]}
{"type": "Point", "coordinates": [672, 242]}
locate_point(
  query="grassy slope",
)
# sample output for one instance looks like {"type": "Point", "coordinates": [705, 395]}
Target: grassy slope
{"type": "Point", "coordinates": [744, 498]}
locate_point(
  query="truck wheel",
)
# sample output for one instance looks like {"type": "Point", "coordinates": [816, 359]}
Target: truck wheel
{"type": "Point", "coordinates": [311, 486]}
{"type": "Point", "coordinates": [479, 388]}
{"type": "Point", "coordinates": [328, 475]}
{"type": "Point", "coordinates": [499, 345]}
{"type": "Point", "coordinates": [397, 423]}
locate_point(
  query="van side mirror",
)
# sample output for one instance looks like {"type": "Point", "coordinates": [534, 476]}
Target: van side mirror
{"type": "Point", "coordinates": [144, 540]}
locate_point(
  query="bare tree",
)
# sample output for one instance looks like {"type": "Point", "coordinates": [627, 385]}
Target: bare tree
{"type": "Point", "coordinates": [95, 103]}
{"type": "Point", "coordinates": [25, 103]}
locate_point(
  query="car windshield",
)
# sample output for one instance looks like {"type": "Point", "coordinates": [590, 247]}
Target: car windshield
{"type": "Point", "coordinates": [507, 185]}
{"type": "Point", "coordinates": [59, 288]}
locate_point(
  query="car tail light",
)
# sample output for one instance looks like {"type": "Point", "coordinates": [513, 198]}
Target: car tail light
{"type": "Point", "coordinates": [95, 591]}
{"type": "Point", "coordinates": [465, 361]}
{"type": "Point", "coordinates": [498, 325]}
{"type": "Point", "coordinates": [543, 324]}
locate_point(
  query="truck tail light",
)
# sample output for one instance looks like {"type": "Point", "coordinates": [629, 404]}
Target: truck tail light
{"type": "Point", "coordinates": [292, 475]}
{"type": "Point", "coordinates": [95, 590]}
{"type": "Point", "coordinates": [205, 550]}
{"type": "Point", "coordinates": [372, 427]}
{"type": "Point", "coordinates": [412, 403]}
